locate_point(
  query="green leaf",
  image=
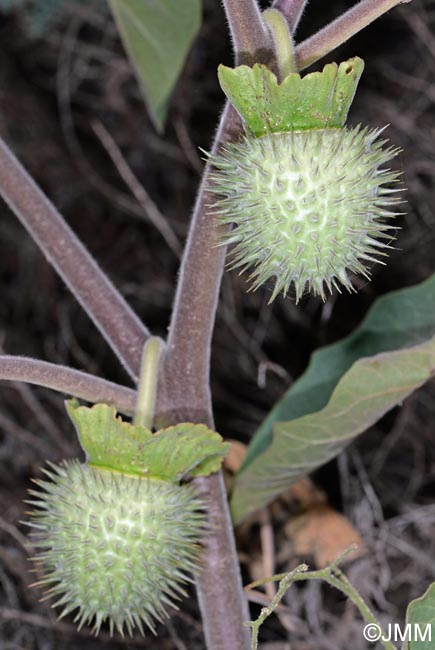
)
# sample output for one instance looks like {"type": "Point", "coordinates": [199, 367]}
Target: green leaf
{"type": "Point", "coordinates": [399, 319]}
{"type": "Point", "coordinates": [157, 35]}
{"type": "Point", "coordinates": [419, 615]}
{"type": "Point", "coordinates": [319, 100]}
{"type": "Point", "coordinates": [168, 454]}
{"type": "Point", "coordinates": [366, 392]}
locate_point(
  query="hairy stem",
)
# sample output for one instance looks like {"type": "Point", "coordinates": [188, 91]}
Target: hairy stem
{"type": "Point", "coordinates": [184, 389]}
{"type": "Point", "coordinates": [223, 603]}
{"type": "Point", "coordinates": [68, 381]}
{"type": "Point", "coordinates": [187, 360]}
{"type": "Point", "coordinates": [292, 10]}
{"type": "Point", "coordinates": [341, 29]}
{"type": "Point", "coordinates": [283, 42]}
{"type": "Point", "coordinates": [250, 38]}
{"type": "Point", "coordinates": [184, 395]}
{"type": "Point", "coordinates": [100, 299]}
{"type": "Point", "coordinates": [147, 390]}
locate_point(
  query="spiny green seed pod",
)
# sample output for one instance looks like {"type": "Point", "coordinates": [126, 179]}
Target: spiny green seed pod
{"type": "Point", "coordinates": [114, 547]}
{"type": "Point", "coordinates": [308, 206]}
{"type": "Point", "coordinates": [118, 535]}
{"type": "Point", "coordinates": [309, 198]}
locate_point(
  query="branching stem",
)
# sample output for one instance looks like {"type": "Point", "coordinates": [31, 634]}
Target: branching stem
{"type": "Point", "coordinates": [103, 303]}
{"type": "Point", "coordinates": [68, 381]}
{"type": "Point", "coordinates": [331, 574]}
{"type": "Point", "coordinates": [184, 395]}
{"type": "Point", "coordinates": [285, 582]}
{"type": "Point", "coordinates": [340, 30]}
{"type": "Point", "coordinates": [184, 392]}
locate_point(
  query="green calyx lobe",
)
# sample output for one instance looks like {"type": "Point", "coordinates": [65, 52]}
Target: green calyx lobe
{"type": "Point", "coordinates": [169, 454]}
{"type": "Point", "coordinates": [319, 100]}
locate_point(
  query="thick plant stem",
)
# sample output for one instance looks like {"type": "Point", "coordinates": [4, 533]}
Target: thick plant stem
{"type": "Point", "coordinates": [184, 389]}
{"type": "Point", "coordinates": [100, 299]}
{"type": "Point", "coordinates": [341, 29]}
{"type": "Point", "coordinates": [250, 38]}
{"type": "Point", "coordinates": [187, 361]}
{"type": "Point", "coordinates": [186, 397]}
{"type": "Point", "coordinates": [147, 389]}
{"type": "Point", "coordinates": [68, 381]}
{"type": "Point", "coordinates": [223, 603]}
{"type": "Point", "coordinates": [292, 10]}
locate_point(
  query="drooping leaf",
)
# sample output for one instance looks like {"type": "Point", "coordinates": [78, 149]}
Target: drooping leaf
{"type": "Point", "coordinates": [157, 35]}
{"type": "Point", "coordinates": [420, 615]}
{"type": "Point", "coordinates": [168, 454]}
{"type": "Point", "coordinates": [397, 320]}
{"type": "Point", "coordinates": [319, 100]}
{"type": "Point", "coordinates": [367, 391]}
{"type": "Point", "coordinates": [364, 394]}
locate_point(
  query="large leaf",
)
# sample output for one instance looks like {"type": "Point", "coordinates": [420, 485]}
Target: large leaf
{"type": "Point", "coordinates": [366, 392]}
{"type": "Point", "coordinates": [157, 35]}
{"type": "Point", "coordinates": [303, 430]}
{"type": "Point", "coordinates": [397, 320]}
{"type": "Point", "coordinates": [420, 621]}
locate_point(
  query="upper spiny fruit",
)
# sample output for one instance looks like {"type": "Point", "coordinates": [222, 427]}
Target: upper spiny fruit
{"type": "Point", "coordinates": [114, 547]}
{"type": "Point", "coordinates": [308, 207]}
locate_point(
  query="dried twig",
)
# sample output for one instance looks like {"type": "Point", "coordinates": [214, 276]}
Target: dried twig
{"type": "Point", "coordinates": [158, 220]}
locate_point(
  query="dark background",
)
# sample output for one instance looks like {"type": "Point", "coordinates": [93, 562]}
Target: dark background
{"type": "Point", "coordinates": [53, 90]}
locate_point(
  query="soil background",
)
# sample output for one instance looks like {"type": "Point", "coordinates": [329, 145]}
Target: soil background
{"type": "Point", "coordinates": [55, 92]}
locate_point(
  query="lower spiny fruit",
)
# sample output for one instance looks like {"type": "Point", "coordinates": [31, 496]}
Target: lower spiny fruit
{"type": "Point", "coordinates": [114, 547]}
{"type": "Point", "coordinates": [308, 207]}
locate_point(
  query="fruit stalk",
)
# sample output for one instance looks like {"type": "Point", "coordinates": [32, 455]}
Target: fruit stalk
{"type": "Point", "coordinates": [283, 42]}
{"type": "Point", "coordinates": [147, 389]}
